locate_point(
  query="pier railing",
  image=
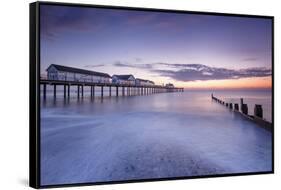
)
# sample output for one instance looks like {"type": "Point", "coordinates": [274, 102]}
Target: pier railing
{"type": "Point", "coordinates": [258, 112]}
{"type": "Point", "coordinates": [129, 88]}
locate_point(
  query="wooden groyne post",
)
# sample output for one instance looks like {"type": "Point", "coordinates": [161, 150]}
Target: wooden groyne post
{"type": "Point", "coordinates": [236, 107]}
{"type": "Point", "coordinates": [258, 112]}
{"type": "Point", "coordinates": [244, 109]}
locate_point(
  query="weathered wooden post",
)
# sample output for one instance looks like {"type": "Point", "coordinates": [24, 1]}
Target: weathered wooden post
{"type": "Point", "coordinates": [258, 112]}
{"type": "Point", "coordinates": [241, 103]}
{"type": "Point", "coordinates": [123, 91]}
{"type": "Point", "coordinates": [82, 91]}
{"type": "Point", "coordinates": [93, 91]}
{"type": "Point", "coordinates": [109, 90]}
{"type": "Point", "coordinates": [245, 109]}
{"type": "Point", "coordinates": [230, 106]}
{"type": "Point", "coordinates": [236, 107]}
{"type": "Point", "coordinates": [116, 90]}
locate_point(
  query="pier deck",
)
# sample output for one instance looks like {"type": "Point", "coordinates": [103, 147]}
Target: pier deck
{"type": "Point", "coordinates": [131, 89]}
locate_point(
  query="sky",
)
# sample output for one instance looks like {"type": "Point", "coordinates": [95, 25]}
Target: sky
{"type": "Point", "coordinates": [188, 50]}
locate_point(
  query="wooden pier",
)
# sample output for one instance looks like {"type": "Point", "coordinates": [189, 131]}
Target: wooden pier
{"type": "Point", "coordinates": [131, 90]}
{"type": "Point", "coordinates": [256, 118]}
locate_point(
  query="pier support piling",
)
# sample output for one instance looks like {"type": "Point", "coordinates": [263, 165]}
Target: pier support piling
{"type": "Point", "coordinates": [68, 91]}
{"type": "Point", "coordinates": [64, 91]}
{"type": "Point", "coordinates": [78, 91]}
{"type": "Point", "coordinates": [102, 91]}
{"type": "Point", "coordinates": [55, 90]}
{"type": "Point", "coordinates": [44, 91]}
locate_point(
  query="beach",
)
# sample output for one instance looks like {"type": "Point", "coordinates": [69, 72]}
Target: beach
{"type": "Point", "coordinates": [149, 137]}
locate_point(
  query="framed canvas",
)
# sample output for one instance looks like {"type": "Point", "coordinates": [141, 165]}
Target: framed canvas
{"type": "Point", "coordinates": [121, 94]}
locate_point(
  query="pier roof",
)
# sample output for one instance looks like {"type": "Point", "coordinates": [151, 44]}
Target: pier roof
{"type": "Point", "coordinates": [124, 77]}
{"type": "Point", "coordinates": [80, 71]}
{"type": "Point", "coordinates": [144, 80]}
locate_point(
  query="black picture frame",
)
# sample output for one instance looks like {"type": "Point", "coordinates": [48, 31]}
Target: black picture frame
{"type": "Point", "coordinates": [34, 93]}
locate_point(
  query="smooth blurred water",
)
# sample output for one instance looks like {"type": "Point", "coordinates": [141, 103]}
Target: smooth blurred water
{"type": "Point", "coordinates": [154, 136]}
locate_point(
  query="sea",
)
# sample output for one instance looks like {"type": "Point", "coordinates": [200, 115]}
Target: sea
{"type": "Point", "coordinates": [153, 136]}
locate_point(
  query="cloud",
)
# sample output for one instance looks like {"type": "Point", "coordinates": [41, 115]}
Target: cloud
{"type": "Point", "coordinates": [139, 18]}
{"type": "Point", "coordinates": [199, 72]}
{"type": "Point", "coordinates": [137, 59]}
{"type": "Point", "coordinates": [139, 66]}
{"type": "Point", "coordinates": [56, 20]}
{"type": "Point", "coordinates": [92, 66]}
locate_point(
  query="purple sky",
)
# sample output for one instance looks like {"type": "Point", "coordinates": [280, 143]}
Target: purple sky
{"type": "Point", "coordinates": [149, 45]}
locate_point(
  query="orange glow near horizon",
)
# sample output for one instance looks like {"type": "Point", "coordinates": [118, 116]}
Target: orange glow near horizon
{"type": "Point", "coordinates": [258, 82]}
